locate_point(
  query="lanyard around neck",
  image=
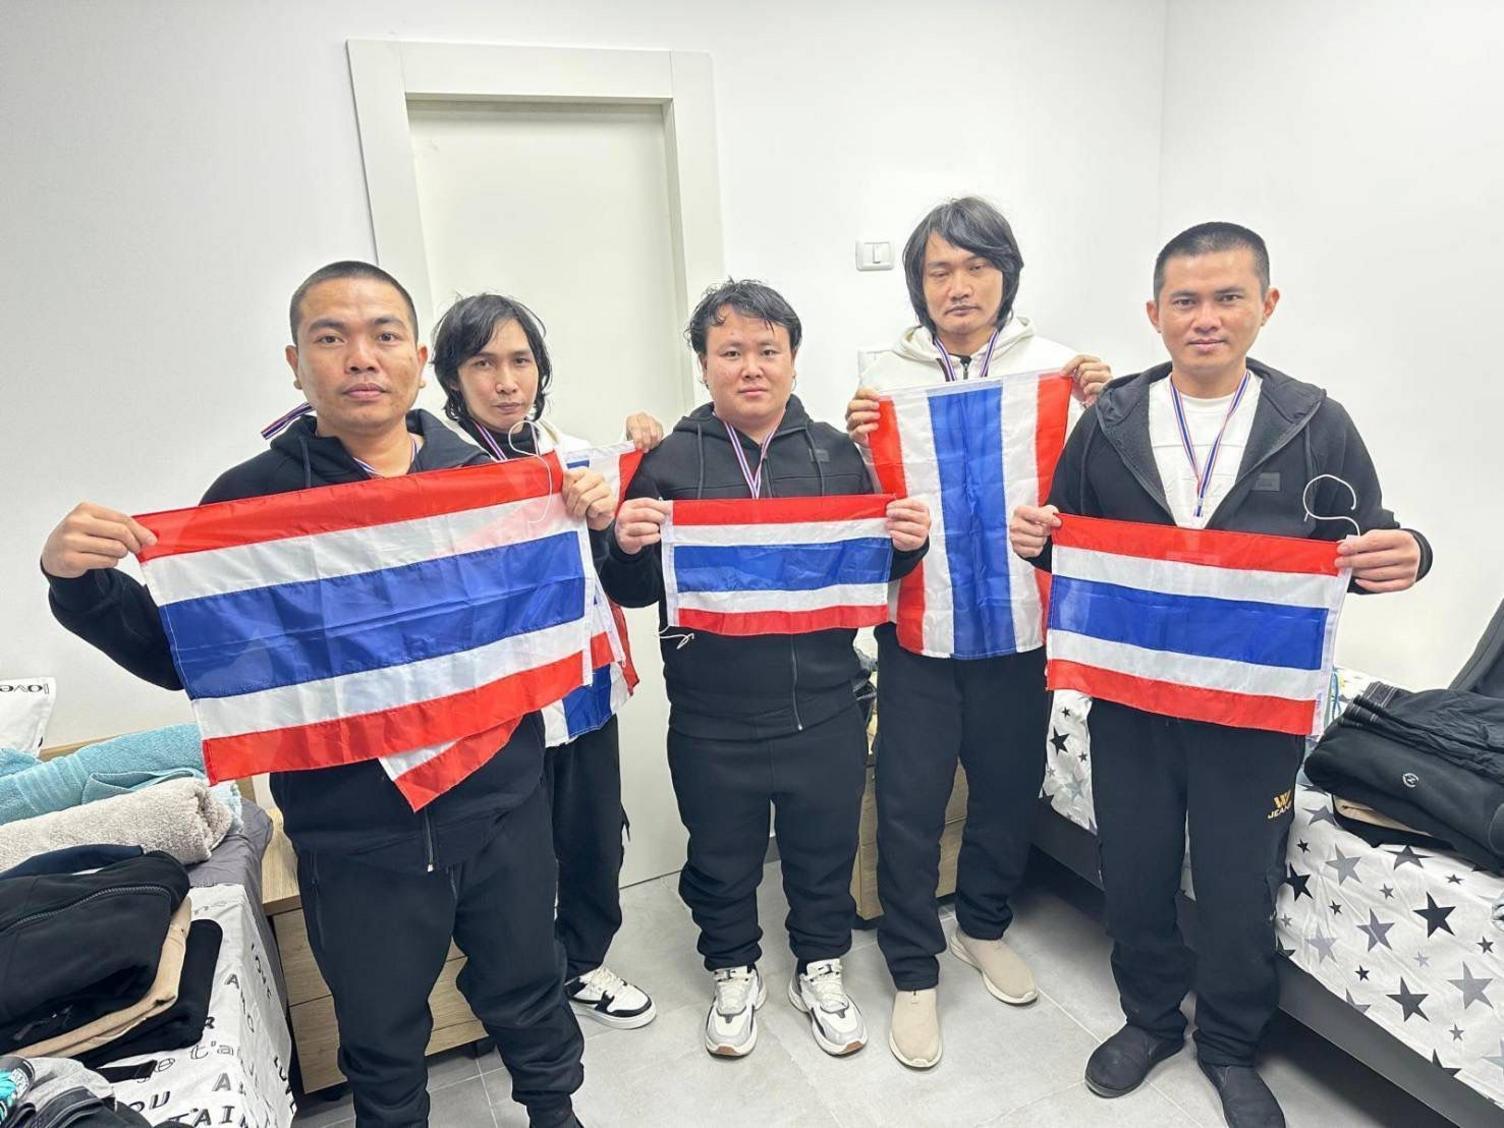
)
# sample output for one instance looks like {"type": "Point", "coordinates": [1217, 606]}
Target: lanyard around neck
{"type": "Point", "coordinates": [1204, 476]}
{"type": "Point", "coordinates": [371, 470]}
{"type": "Point", "coordinates": [751, 477]}
{"type": "Point", "coordinates": [950, 369]}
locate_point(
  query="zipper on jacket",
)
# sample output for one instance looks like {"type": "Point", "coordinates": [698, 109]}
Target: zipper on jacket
{"type": "Point", "coordinates": [965, 367]}
{"type": "Point", "coordinates": [794, 695]}
{"type": "Point", "coordinates": [428, 840]}
{"type": "Point", "coordinates": [98, 894]}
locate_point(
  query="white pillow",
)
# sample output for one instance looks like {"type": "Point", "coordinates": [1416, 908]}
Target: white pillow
{"type": "Point", "coordinates": [25, 706]}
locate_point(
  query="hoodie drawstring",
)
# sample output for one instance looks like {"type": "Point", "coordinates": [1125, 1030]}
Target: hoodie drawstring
{"type": "Point", "coordinates": [700, 451]}
{"type": "Point", "coordinates": [307, 463]}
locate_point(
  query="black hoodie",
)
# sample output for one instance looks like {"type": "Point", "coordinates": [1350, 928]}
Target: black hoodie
{"type": "Point", "coordinates": [1298, 432]}
{"type": "Point", "coordinates": [745, 688]}
{"type": "Point", "coordinates": [349, 810]}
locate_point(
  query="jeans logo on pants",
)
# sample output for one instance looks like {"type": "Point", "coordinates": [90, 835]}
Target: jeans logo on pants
{"type": "Point", "coordinates": [1282, 804]}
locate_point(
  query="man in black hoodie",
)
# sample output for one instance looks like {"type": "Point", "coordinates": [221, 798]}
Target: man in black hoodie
{"type": "Point", "coordinates": [1212, 440]}
{"type": "Point", "coordinates": [384, 888]}
{"type": "Point", "coordinates": [767, 718]}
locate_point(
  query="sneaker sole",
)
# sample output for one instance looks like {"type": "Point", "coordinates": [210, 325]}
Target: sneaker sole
{"type": "Point", "coordinates": [914, 1063]}
{"type": "Point", "coordinates": [615, 1021]}
{"type": "Point", "coordinates": [992, 988]}
{"type": "Point", "coordinates": [834, 1049]}
{"type": "Point", "coordinates": [725, 1049]}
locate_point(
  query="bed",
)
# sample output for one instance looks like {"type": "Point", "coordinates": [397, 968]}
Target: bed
{"type": "Point", "coordinates": [1396, 955]}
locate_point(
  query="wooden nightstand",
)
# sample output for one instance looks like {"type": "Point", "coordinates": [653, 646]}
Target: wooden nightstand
{"type": "Point", "coordinates": [315, 1035]}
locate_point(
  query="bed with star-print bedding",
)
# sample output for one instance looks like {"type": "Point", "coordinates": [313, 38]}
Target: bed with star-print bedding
{"type": "Point", "coordinates": [1412, 939]}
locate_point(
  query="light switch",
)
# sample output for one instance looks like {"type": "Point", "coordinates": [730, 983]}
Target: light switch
{"type": "Point", "coordinates": [874, 255]}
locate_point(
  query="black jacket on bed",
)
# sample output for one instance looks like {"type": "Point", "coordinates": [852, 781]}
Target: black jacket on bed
{"type": "Point", "coordinates": [759, 686]}
{"type": "Point", "coordinates": [354, 809]}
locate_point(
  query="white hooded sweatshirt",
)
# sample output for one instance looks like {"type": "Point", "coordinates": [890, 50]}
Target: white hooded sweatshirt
{"type": "Point", "coordinates": [915, 360]}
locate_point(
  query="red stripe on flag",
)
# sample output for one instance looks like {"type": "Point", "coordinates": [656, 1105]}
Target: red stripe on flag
{"type": "Point", "coordinates": [628, 669]}
{"type": "Point", "coordinates": [454, 765]}
{"type": "Point", "coordinates": [349, 740]}
{"type": "Point", "coordinates": [600, 651]}
{"type": "Point", "coordinates": [349, 505]}
{"type": "Point", "coordinates": [844, 617]}
{"type": "Point", "coordinates": [1053, 413]}
{"type": "Point", "coordinates": [1217, 548]}
{"type": "Point", "coordinates": [626, 470]}
{"type": "Point", "coordinates": [887, 464]}
{"type": "Point", "coordinates": [781, 510]}
{"type": "Point", "coordinates": [1193, 703]}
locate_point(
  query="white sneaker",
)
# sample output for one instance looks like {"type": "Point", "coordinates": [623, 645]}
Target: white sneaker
{"type": "Point", "coordinates": [609, 999]}
{"type": "Point", "coordinates": [833, 1015]}
{"type": "Point", "coordinates": [914, 1034]}
{"type": "Point", "coordinates": [731, 1025]}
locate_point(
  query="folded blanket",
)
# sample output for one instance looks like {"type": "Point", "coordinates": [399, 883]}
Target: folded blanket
{"type": "Point", "coordinates": [178, 817]}
{"type": "Point", "coordinates": [30, 787]}
{"type": "Point", "coordinates": [158, 998]}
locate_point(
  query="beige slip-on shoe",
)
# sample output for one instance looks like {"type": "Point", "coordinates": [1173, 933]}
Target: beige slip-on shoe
{"type": "Point", "coordinates": [1004, 973]}
{"type": "Point", "coordinates": [914, 1034]}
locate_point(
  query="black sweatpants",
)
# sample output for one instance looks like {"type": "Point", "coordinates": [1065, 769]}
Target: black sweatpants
{"type": "Point", "coordinates": [814, 781]}
{"type": "Point", "coordinates": [992, 713]}
{"type": "Point", "coordinates": [583, 779]}
{"type": "Point", "coordinates": [381, 937]}
{"type": "Point", "coordinates": [1153, 779]}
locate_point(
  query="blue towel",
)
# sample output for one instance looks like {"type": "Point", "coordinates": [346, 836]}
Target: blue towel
{"type": "Point", "coordinates": [29, 787]}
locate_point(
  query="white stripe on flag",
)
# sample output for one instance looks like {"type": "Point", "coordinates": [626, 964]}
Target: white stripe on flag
{"type": "Point", "coordinates": [192, 575]}
{"type": "Point", "coordinates": [371, 691]}
{"type": "Point", "coordinates": [400, 763]}
{"type": "Point", "coordinates": [1176, 577]}
{"type": "Point", "coordinates": [1187, 669]}
{"type": "Point", "coordinates": [734, 602]}
{"type": "Point", "coordinates": [916, 437]}
{"type": "Point", "coordinates": [794, 532]}
{"type": "Point", "coordinates": [1019, 403]}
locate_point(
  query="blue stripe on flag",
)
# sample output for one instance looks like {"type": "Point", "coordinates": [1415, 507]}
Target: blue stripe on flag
{"type": "Point", "coordinates": [782, 567]}
{"type": "Point", "coordinates": [969, 450]}
{"type": "Point", "coordinates": [589, 707]}
{"type": "Point", "coordinates": [1261, 634]}
{"type": "Point", "coordinates": [285, 634]}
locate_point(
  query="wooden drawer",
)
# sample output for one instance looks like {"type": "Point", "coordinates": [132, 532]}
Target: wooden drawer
{"type": "Point", "coordinates": [304, 982]}
{"type": "Point", "coordinates": [316, 1034]}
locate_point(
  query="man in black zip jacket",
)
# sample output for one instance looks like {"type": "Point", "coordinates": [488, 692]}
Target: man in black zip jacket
{"type": "Point", "coordinates": [1213, 440]}
{"type": "Point", "coordinates": [384, 888]}
{"type": "Point", "coordinates": [766, 718]}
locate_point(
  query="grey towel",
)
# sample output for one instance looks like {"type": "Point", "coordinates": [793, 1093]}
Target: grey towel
{"type": "Point", "coordinates": [179, 817]}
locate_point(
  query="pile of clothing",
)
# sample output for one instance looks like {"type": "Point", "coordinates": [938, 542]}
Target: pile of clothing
{"type": "Point", "coordinates": [1424, 768]}
{"type": "Point", "coordinates": [147, 789]}
{"type": "Point", "coordinates": [99, 956]}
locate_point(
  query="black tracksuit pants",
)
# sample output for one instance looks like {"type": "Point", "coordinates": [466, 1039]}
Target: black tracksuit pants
{"type": "Point", "coordinates": [381, 937]}
{"type": "Point", "coordinates": [992, 713]}
{"type": "Point", "coordinates": [813, 780]}
{"type": "Point", "coordinates": [1153, 779]}
{"type": "Point", "coordinates": [583, 779]}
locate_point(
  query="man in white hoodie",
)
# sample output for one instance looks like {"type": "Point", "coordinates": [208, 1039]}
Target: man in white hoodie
{"type": "Point", "coordinates": [962, 265]}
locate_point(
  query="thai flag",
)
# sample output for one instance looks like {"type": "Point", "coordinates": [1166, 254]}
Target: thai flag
{"type": "Point", "coordinates": [614, 678]}
{"type": "Point", "coordinates": [974, 451]}
{"type": "Point", "coordinates": [777, 565]}
{"type": "Point", "coordinates": [415, 619]}
{"type": "Point", "coordinates": [1231, 628]}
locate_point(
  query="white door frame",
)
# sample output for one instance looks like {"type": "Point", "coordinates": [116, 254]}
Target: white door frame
{"type": "Point", "coordinates": [387, 75]}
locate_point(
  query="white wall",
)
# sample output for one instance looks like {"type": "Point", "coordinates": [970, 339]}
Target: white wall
{"type": "Point", "coordinates": [1364, 142]}
{"type": "Point", "coordinates": [170, 171]}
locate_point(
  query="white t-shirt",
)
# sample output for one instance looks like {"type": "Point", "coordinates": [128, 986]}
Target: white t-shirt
{"type": "Point", "coordinates": [1203, 418]}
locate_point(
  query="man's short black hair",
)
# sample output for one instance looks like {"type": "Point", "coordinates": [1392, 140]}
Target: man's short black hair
{"type": "Point", "coordinates": [974, 225]}
{"type": "Point", "coordinates": [749, 298]}
{"type": "Point", "coordinates": [1208, 239]}
{"type": "Point", "coordinates": [466, 329]}
{"type": "Point", "coordinates": [349, 268]}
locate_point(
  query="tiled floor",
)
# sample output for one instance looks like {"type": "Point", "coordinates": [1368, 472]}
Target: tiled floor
{"type": "Point", "coordinates": [1003, 1066]}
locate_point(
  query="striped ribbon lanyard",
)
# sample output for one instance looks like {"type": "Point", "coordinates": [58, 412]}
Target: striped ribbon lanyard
{"type": "Point", "coordinates": [753, 479]}
{"type": "Point", "coordinates": [1204, 476]}
{"type": "Point", "coordinates": [371, 470]}
{"type": "Point", "coordinates": [950, 369]}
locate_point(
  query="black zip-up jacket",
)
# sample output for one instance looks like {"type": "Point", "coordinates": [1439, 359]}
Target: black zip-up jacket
{"type": "Point", "coordinates": [354, 809]}
{"type": "Point", "coordinates": [745, 688]}
{"type": "Point", "coordinates": [76, 947]}
{"type": "Point", "coordinates": [1299, 432]}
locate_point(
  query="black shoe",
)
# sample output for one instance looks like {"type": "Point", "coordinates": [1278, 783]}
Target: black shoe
{"type": "Point", "coordinates": [1120, 1064]}
{"type": "Point", "coordinates": [1246, 1100]}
